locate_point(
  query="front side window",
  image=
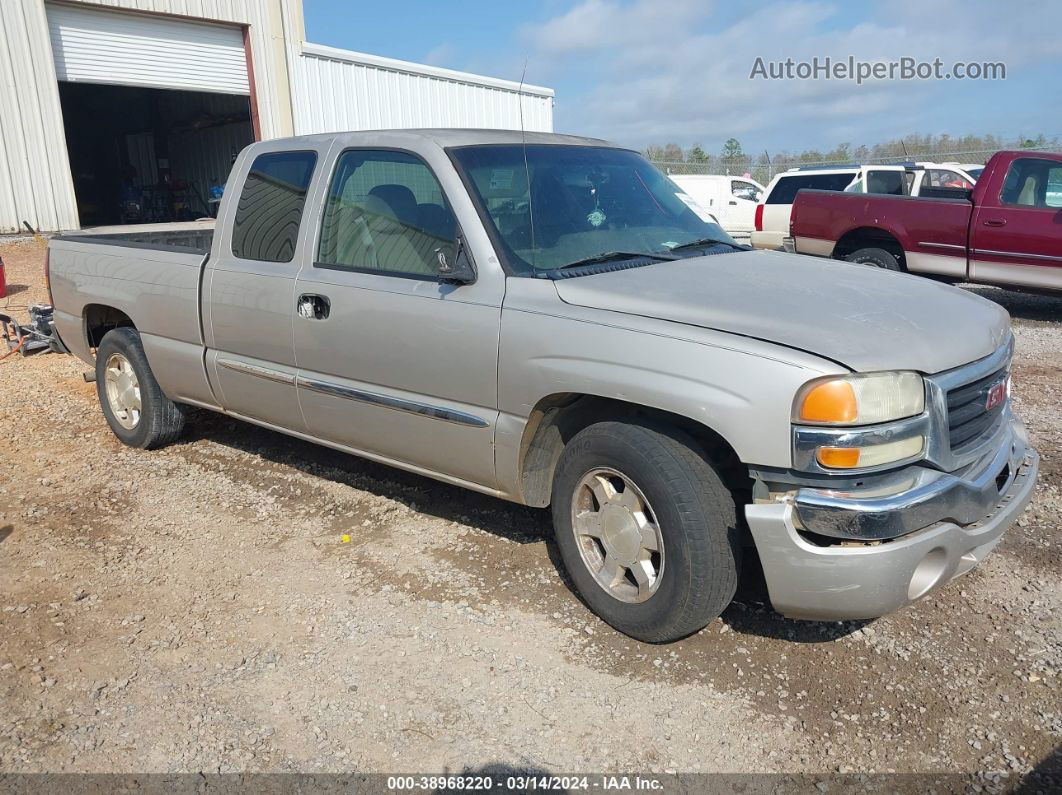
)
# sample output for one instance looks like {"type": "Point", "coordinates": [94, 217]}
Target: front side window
{"type": "Point", "coordinates": [269, 211]}
{"type": "Point", "coordinates": [385, 211]}
{"type": "Point", "coordinates": [745, 190]}
{"type": "Point", "coordinates": [551, 206]}
{"type": "Point", "coordinates": [1033, 182]}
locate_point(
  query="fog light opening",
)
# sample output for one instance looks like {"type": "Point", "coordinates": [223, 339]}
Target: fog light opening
{"type": "Point", "coordinates": [928, 573]}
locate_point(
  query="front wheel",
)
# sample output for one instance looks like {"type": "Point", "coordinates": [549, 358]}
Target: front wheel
{"type": "Point", "coordinates": [132, 400]}
{"type": "Point", "coordinates": [646, 528]}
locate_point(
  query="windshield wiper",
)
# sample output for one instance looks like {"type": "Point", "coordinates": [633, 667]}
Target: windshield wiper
{"type": "Point", "coordinates": [614, 256]}
{"type": "Point", "coordinates": [704, 242]}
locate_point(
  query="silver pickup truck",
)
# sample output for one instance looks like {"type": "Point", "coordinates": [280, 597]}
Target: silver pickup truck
{"type": "Point", "coordinates": [550, 320]}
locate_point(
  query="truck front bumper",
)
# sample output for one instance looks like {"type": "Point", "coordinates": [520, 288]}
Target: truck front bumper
{"type": "Point", "coordinates": [859, 579]}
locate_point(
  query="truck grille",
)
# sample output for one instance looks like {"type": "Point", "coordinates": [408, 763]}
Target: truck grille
{"type": "Point", "coordinates": [968, 413]}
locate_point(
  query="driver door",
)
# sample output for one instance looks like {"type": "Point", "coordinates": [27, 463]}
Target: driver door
{"type": "Point", "coordinates": [393, 362]}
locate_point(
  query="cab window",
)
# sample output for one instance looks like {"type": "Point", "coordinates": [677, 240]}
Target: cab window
{"type": "Point", "coordinates": [385, 211]}
{"type": "Point", "coordinates": [270, 207]}
{"type": "Point", "coordinates": [1033, 182]}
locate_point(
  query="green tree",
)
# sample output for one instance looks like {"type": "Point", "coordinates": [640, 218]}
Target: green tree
{"type": "Point", "coordinates": [732, 150]}
{"type": "Point", "coordinates": [697, 155]}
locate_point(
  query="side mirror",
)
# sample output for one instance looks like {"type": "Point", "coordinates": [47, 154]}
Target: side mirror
{"type": "Point", "coordinates": [455, 264]}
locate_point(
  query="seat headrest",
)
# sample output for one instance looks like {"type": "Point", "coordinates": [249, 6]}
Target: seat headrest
{"type": "Point", "coordinates": [400, 199]}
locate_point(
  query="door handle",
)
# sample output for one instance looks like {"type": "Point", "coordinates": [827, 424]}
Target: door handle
{"type": "Point", "coordinates": [313, 307]}
{"type": "Point", "coordinates": [996, 222]}
{"type": "Point", "coordinates": [733, 203]}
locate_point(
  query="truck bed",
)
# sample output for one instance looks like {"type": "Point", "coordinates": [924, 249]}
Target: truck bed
{"type": "Point", "coordinates": [149, 277]}
{"type": "Point", "coordinates": [928, 228]}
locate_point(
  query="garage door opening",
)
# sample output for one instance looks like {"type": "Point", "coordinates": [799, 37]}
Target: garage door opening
{"type": "Point", "coordinates": [149, 155]}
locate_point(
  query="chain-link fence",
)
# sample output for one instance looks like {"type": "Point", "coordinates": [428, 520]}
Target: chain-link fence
{"type": "Point", "coordinates": [763, 168]}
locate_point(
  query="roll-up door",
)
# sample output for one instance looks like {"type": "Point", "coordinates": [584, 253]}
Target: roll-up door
{"type": "Point", "coordinates": [116, 48]}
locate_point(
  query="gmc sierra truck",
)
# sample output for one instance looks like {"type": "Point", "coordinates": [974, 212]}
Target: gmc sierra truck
{"type": "Point", "coordinates": [1007, 230]}
{"type": "Point", "coordinates": [550, 320]}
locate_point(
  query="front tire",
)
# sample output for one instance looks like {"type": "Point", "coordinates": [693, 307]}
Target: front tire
{"type": "Point", "coordinates": [878, 257]}
{"type": "Point", "coordinates": [646, 528]}
{"type": "Point", "coordinates": [139, 414]}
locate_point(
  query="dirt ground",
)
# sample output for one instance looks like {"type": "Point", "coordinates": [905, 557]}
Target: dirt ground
{"type": "Point", "coordinates": [196, 609]}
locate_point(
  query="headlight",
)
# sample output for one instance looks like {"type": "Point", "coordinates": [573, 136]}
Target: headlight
{"type": "Point", "coordinates": [860, 399]}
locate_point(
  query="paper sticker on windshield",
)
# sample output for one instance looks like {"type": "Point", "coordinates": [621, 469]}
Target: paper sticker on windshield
{"type": "Point", "coordinates": [501, 179]}
{"type": "Point", "coordinates": [703, 214]}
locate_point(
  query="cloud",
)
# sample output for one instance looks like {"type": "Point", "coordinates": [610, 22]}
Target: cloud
{"type": "Point", "coordinates": [643, 71]}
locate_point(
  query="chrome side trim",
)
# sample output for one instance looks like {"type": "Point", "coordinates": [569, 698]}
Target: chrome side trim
{"type": "Point", "coordinates": [942, 245]}
{"type": "Point", "coordinates": [1015, 254]}
{"type": "Point", "coordinates": [253, 369]}
{"type": "Point", "coordinates": [388, 402]}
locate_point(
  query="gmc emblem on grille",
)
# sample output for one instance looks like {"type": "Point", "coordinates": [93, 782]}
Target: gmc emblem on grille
{"type": "Point", "coordinates": [997, 393]}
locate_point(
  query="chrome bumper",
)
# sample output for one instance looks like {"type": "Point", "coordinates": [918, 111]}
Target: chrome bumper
{"type": "Point", "coordinates": [854, 580]}
{"type": "Point", "coordinates": [915, 497]}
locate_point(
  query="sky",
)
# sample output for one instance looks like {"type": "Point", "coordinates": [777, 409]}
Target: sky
{"type": "Point", "coordinates": [644, 72]}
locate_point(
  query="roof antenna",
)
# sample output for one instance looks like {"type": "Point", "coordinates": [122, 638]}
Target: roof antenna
{"type": "Point", "coordinates": [527, 170]}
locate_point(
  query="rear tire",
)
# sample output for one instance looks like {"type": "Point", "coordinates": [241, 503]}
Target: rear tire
{"type": "Point", "coordinates": [878, 257]}
{"type": "Point", "coordinates": [638, 486]}
{"type": "Point", "coordinates": [139, 414]}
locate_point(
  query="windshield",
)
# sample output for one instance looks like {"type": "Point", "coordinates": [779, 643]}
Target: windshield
{"type": "Point", "coordinates": [572, 203]}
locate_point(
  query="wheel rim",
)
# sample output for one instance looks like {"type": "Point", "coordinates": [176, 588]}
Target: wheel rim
{"type": "Point", "coordinates": [123, 390]}
{"type": "Point", "coordinates": [617, 534]}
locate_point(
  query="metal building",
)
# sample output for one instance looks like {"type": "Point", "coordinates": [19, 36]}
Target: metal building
{"type": "Point", "coordinates": [119, 111]}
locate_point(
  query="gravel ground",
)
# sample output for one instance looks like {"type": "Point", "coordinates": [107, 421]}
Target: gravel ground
{"type": "Point", "coordinates": [197, 609]}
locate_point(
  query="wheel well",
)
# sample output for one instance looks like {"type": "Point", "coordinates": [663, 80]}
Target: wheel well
{"type": "Point", "coordinates": [868, 237]}
{"type": "Point", "coordinates": [100, 319]}
{"type": "Point", "coordinates": [557, 418]}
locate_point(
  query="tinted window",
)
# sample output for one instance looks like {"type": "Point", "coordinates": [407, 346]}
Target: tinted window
{"type": "Point", "coordinates": [785, 190]}
{"type": "Point", "coordinates": [385, 211]}
{"type": "Point", "coordinates": [270, 207]}
{"type": "Point", "coordinates": [890, 182]}
{"type": "Point", "coordinates": [1032, 182]}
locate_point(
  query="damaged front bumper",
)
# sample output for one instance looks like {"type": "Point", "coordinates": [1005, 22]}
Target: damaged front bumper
{"type": "Point", "coordinates": [893, 544]}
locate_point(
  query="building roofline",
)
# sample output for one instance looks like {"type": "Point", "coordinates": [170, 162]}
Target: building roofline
{"type": "Point", "coordinates": [395, 65]}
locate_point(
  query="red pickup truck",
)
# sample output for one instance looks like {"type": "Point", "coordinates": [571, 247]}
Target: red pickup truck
{"type": "Point", "coordinates": [1006, 231]}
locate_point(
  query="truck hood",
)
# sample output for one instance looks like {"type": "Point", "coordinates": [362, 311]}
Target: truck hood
{"type": "Point", "coordinates": [862, 317]}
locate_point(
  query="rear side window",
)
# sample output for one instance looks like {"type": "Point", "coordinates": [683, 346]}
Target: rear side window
{"type": "Point", "coordinates": [270, 207]}
{"type": "Point", "coordinates": [785, 190]}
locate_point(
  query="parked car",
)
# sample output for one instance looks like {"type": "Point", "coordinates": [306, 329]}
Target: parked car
{"type": "Point", "coordinates": [772, 217]}
{"type": "Point", "coordinates": [1005, 232]}
{"type": "Point", "coordinates": [732, 200]}
{"type": "Point", "coordinates": [540, 318]}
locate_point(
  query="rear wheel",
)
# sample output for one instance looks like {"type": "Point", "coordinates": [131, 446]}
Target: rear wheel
{"type": "Point", "coordinates": [646, 528]}
{"type": "Point", "coordinates": [132, 401]}
{"type": "Point", "coordinates": [878, 257]}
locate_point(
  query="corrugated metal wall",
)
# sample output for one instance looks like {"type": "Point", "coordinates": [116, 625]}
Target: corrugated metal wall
{"type": "Point", "coordinates": [341, 90]}
{"type": "Point", "coordinates": [328, 90]}
{"type": "Point", "coordinates": [35, 182]}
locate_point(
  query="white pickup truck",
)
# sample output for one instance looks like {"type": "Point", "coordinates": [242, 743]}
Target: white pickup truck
{"type": "Point", "coordinates": [544, 319]}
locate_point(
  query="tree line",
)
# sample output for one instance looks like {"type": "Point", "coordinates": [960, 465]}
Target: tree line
{"type": "Point", "coordinates": [733, 159]}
